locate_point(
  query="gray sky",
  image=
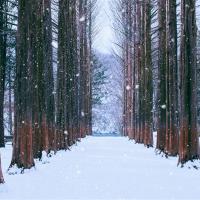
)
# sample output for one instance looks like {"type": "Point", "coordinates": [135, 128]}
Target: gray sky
{"type": "Point", "coordinates": [105, 38]}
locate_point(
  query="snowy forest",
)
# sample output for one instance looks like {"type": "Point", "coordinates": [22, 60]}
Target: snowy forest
{"type": "Point", "coordinates": [103, 96]}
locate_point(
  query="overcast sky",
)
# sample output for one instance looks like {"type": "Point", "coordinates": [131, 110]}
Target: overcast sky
{"type": "Point", "coordinates": [105, 38]}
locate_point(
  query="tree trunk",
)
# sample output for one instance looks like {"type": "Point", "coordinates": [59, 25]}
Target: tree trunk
{"type": "Point", "coordinates": [68, 75]}
{"type": "Point", "coordinates": [138, 69]}
{"type": "Point", "coordinates": [161, 132]}
{"type": "Point", "coordinates": [10, 110]}
{"type": "Point", "coordinates": [1, 174]}
{"type": "Point", "coordinates": [2, 67]}
{"type": "Point", "coordinates": [189, 141]}
{"type": "Point", "coordinates": [148, 82]}
{"type": "Point", "coordinates": [22, 143]}
{"type": "Point", "coordinates": [43, 104]}
{"type": "Point", "coordinates": [172, 129]}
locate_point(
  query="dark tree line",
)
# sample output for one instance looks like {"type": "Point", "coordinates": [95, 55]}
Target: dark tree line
{"type": "Point", "coordinates": [137, 61]}
{"type": "Point", "coordinates": [8, 19]}
{"type": "Point", "coordinates": [36, 129]}
{"type": "Point", "coordinates": [50, 113]}
{"type": "Point", "coordinates": [176, 77]}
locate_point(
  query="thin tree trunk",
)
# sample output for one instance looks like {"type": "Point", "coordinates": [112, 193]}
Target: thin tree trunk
{"type": "Point", "coordinates": [1, 173]}
{"type": "Point", "coordinates": [2, 67]}
{"type": "Point", "coordinates": [148, 83]}
{"type": "Point", "coordinates": [138, 69]}
{"type": "Point", "coordinates": [10, 111]}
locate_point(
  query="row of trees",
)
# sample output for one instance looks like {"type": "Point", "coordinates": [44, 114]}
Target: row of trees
{"type": "Point", "coordinates": [8, 17]}
{"type": "Point", "coordinates": [150, 26]}
{"type": "Point", "coordinates": [50, 115]}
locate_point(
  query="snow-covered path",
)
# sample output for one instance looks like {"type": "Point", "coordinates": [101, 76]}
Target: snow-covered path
{"type": "Point", "coordinates": [103, 168]}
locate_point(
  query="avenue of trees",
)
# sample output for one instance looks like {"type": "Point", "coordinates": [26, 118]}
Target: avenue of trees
{"type": "Point", "coordinates": [49, 64]}
{"type": "Point", "coordinates": [160, 74]}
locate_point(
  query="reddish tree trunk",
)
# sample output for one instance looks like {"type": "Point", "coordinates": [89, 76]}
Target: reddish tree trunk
{"type": "Point", "coordinates": [22, 143]}
{"type": "Point", "coordinates": [189, 140]}
{"type": "Point", "coordinates": [137, 69]}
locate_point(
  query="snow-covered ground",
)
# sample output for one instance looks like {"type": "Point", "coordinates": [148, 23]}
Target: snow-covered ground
{"type": "Point", "coordinates": [102, 168]}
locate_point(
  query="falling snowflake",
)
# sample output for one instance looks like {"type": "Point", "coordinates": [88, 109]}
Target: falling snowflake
{"type": "Point", "coordinates": [163, 106]}
{"type": "Point", "coordinates": [128, 87]}
{"type": "Point", "coordinates": [66, 132]}
{"type": "Point", "coordinates": [82, 19]}
{"type": "Point", "coordinates": [137, 87]}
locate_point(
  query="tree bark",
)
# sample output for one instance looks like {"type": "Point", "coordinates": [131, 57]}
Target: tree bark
{"type": "Point", "coordinates": [161, 132]}
{"type": "Point", "coordinates": [189, 143]}
{"type": "Point", "coordinates": [22, 143]}
{"type": "Point", "coordinates": [43, 104]}
{"type": "Point", "coordinates": [172, 129]}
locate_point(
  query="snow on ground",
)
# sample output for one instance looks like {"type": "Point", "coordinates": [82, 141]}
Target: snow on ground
{"type": "Point", "coordinates": [102, 168]}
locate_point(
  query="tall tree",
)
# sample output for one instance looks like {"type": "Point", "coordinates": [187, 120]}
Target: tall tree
{"type": "Point", "coordinates": [161, 129]}
{"type": "Point", "coordinates": [127, 16]}
{"type": "Point", "coordinates": [67, 75]}
{"type": "Point", "coordinates": [171, 141]}
{"type": "Point", "coordinates": [3, 36]}
{"type": "Point", "coordinates": [43, 83]}
{"type": "Point", "coordinates": [148, 82]}
{"type": "Point", "coordinates": [138, 62]}
{"type": "Point", "coordinates": [48, 75]}
{"type": "Point", "coordinates": [23, 135]}
{"type": "Point", "coordinates": [85, 69]}
{"type": "Point", "coordinates": [189, 144]}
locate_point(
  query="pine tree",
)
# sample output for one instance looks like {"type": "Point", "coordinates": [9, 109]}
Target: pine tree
{"type": "Point", "coordinates": [98, 81]}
